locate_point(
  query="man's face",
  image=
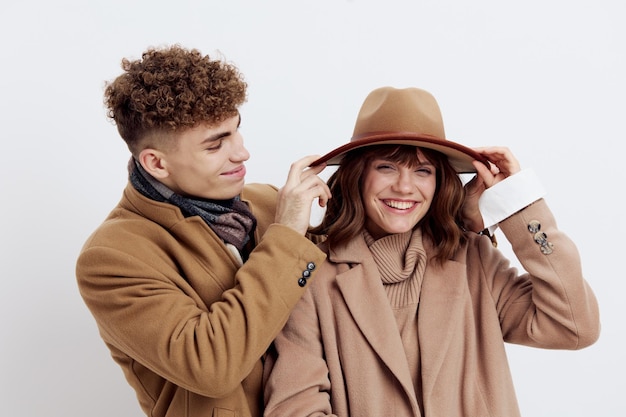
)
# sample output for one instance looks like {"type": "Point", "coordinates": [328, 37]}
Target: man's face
{"type": "Point", "coordinates": [207, 162]}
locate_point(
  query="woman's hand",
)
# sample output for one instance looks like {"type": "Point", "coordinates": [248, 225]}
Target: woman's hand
{"type": "Point", "coordinates": [472, 219]}
{"type": "Point", "coordinates": [502, 164]}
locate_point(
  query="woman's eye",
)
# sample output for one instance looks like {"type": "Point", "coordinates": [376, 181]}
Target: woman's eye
{"type": "Point", "coordinates": [384, 166]}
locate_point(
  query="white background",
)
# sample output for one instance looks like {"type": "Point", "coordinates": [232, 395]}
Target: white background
{"type": "Point", "coordinates": [543, 77]}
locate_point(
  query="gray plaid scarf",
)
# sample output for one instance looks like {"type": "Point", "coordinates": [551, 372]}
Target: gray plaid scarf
{"type": "Point", "coordinates": [230, 219]}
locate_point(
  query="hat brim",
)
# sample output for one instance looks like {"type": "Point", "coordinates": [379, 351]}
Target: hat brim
{"type": "Point", "coordinates": [460, 156]}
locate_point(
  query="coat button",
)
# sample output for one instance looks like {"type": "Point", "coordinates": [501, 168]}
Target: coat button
{"type": "Point", "coordinates": [541, 238]}
{"type": "Point", "coordinates": [310, 266]}
{"type": "Point", "coordinates": [547, 248]}
{"type": "Point", "coordinates": [302, 282]}
{"type": "Point", "coordinates": [534, 226]}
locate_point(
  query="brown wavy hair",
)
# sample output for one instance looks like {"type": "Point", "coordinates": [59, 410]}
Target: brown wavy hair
{"type": "Point", "coordinates": [345, 214]}
{"type": "Point", "coordinates": [169, 90]}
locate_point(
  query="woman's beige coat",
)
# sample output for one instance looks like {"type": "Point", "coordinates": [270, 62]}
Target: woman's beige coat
{"type": "Point", "coordinates": [341, 354]}
{"type": "Point", "coordinates": [187, 325]}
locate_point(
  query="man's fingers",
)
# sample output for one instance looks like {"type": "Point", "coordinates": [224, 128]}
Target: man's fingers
{"type": "Point", "coordinates": [318, 189]}
{"type": "Point", "coordinates": [300, 167]}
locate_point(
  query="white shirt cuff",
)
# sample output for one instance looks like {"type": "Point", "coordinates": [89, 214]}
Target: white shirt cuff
{"type": "Point", "coordinates": [509, 196]}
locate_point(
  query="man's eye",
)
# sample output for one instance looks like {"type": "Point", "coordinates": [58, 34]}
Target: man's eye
{"type": "Point", "coordinates": [216, 146]}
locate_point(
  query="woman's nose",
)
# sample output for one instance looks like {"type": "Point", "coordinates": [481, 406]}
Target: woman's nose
{"type": "Point", "coordinates": [404, 182]}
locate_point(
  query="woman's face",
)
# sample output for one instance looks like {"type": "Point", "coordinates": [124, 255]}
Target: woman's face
{"type": "Point", "coordinates": [396, 196]}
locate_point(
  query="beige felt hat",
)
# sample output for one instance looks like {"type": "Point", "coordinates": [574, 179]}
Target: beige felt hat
{"type": "Point", "coordinates": [408, 116]}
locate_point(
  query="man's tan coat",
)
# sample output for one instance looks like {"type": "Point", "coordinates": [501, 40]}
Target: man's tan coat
{"type": "Point", "coordinates": [185, 323]}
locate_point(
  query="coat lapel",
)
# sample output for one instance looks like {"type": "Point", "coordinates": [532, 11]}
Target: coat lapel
{"type": "Point", "coordinates": [362, 290]}
{"type": "Point", "coordinates": [442, 315]}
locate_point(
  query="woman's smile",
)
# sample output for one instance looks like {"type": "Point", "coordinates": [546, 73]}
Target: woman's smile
{"type": "Point", "coordinates": [399, 204]}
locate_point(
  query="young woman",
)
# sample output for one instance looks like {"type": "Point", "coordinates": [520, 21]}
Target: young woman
{"type": "Point", "coordinates": [409, 313]}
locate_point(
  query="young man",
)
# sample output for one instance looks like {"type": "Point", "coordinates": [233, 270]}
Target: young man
{"type": "Point", "coordinates": [193, 273]}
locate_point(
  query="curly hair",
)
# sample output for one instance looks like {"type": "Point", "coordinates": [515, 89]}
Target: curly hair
{"type": "Point", "coordinates": [169, 90]}
{"type": "Point", "coordinates": [345, 214]}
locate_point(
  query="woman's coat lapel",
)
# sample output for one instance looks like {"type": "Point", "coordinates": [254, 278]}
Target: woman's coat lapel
{"type": "Point", "coordinates": [442, 307]}
{"type": "Point", "coordinates": [441, 317]}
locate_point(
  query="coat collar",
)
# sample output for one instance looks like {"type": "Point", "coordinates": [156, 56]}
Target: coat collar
{"type": "Point", "coordinates": [442, 310]}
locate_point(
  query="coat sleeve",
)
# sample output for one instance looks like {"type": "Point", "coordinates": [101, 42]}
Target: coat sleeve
{"type": "Point", "coordinates": [550, 305]}
{"type": "Point", "coordinates": [146, 308]}
{"type": "Point", "coordinates": [296, 376]}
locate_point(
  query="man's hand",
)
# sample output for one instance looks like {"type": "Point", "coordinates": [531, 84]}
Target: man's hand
{"type": "Point", "coordinates": [296, 196]}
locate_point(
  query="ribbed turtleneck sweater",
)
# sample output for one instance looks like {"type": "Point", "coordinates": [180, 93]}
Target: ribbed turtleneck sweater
{"type": "Point", "coordinates": [401, 261]}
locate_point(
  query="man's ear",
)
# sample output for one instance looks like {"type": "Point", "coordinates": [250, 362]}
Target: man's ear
{"type": "Point", "coordinates": [153, 162]}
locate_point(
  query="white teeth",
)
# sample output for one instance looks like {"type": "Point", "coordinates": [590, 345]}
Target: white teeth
{"type": "Point", "coordinates": [400, 205]}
